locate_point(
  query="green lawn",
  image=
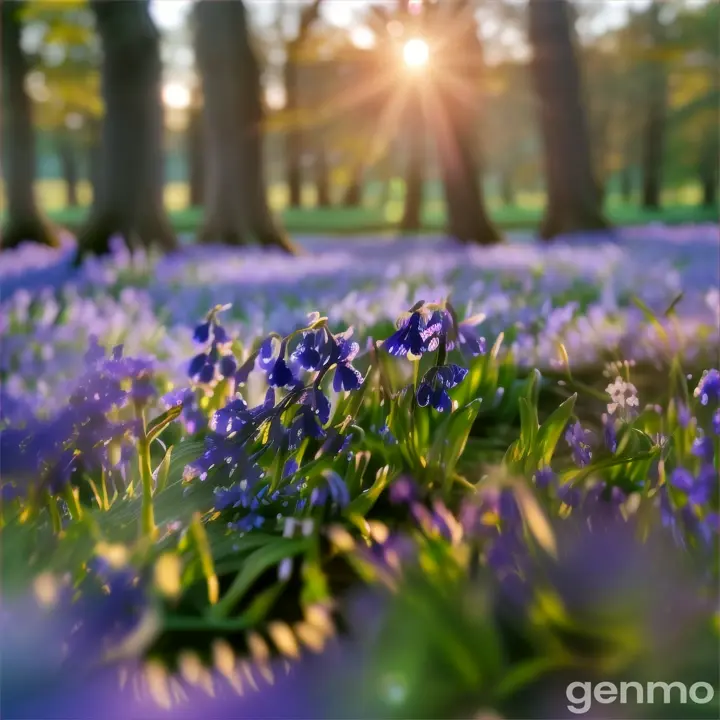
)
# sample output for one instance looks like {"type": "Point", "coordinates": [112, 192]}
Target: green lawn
{"type": "Point", "coordinates": [380, 214]}
{"type": "Point", "coordinates": [369, 219]}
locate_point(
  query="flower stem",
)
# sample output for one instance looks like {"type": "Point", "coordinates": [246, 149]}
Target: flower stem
{"type": "Point", "coordinates": [148, 528]}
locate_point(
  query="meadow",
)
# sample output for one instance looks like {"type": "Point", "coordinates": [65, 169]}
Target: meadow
{"type": "Point", "coordinates": [384, 478]}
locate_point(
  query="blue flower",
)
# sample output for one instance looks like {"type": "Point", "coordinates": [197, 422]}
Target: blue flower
{"type": "Point", "coordinates": [435, 384]}
{"type": "Point", "coordinates": [228, 366]}
{"type": "Point", "coordinates": [251, 521]}
{"type": "Point", "coordinates": [716, 422]}
{"type": "Point", "coordinates": [311, 353]}
{"type": "Point", "coordinates": [704, 448]}
{"type": "Point", "coordinates": [226, 498]}
{"type": "Point", "coordinates": [468, 341]}
{"type": "Point", "coordinates": [408, 338]}
{"type": "Point", "coordinates": [609, 433]}
{"type": "Point", "coordinates": [334, 488]}
{"type": "Point", "coordinates": [315, 398]}
{"type": "Point", "coordinates": [569, 495]}
{"type": "Point", "coordinates": [304, 424]}
{"type": "Point", "coordinates": [403, 490]}
{"type": "Point", "coordinates": [545, 477]}
{"type": "Point", "coordinates": [708, 389]}
{"type": "Point", "coordinates": [387, 435]}
{"type": "Point", "coordinates": [436, 330]}
{"type": "Point", "coordinates": [202, 333]}
{"type": "Point", "coordinates": [698, 489]}
{"type": "Point", "coordinates": [266, 354]}
{"type": "Point", "coordinates": [578, 440]}
{"type": "Point", "coordinates": [342, 353]}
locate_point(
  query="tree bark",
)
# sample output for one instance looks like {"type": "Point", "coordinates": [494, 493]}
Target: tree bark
{"type": "Point", "coordinates": [195, 158]}
{"type": "Point", "coordinates": [293, 138]}
{"type": "Point", "coordinates": [415, 166]}
{"type": "Point", "coordinates": [131, 200]}
{"type": "Point", "coordinates": [353, 192]}
{"type": "Point", "coordinates": [709, 170]}
{"type": "Point", "coordinates": [67, 153]}
{"type": "Point", "coordinates": [656, 110]}
{"type": "Point", "coordinates": [236, 209]}
{"type": "Point", "coordinates": [573, 202]}
{"type": "Point", "coordinates": [322, 175]}
{"type": "Point", "coordinates": [24, 220]}
{"type": "Point", "coordinates": [456, 137]}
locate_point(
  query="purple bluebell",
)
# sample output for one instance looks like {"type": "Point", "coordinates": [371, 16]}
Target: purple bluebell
{"type": "Point", "coordinates": [545, 477]}
{"type": "Point", "coordinates": [716, 422]}
{"type": "Point", "coordinates": [312, 351]}
{"type": "Point", "coordinates": [403, 491]}
{"type": "Point", "coordinates": [333, 488]}
{"type": "Point", "coordinates": [704, 448]}
{"type": "Point", "coordinates": [316, 399]}
{"type": "Point", "coordinates": [266, 355]}
{"type": "Point", "coordinates": [579, 441]}
{"type": "Point", "coordinates": [386, 434]}
{"type": "Point", "coordinates": [408, 338]}
{"type": "Point", "coordinates": [433, 388]}
{"type": "Point", "coordinates": [202, 333]}
{"type": "Point", "coordinates": [305, 424]}
{"type": "Point", "coordinates": [279, 374]}
{"type": "Point", "coordinates": [247, 523]}
{"type": "Point", "coordinates": [708, 389]}
{"type": "Point", "coordinates": [342, 353]}
{"type": "Point", "coordinates": [684, 414]}
{"type": "Point", "coordinates": [609, 432]}
{"type": "Point", "coordinates": [569, 494]}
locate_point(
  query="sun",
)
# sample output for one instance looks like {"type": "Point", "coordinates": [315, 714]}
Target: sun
{"type": "Point", "coordinates": [416, 53]}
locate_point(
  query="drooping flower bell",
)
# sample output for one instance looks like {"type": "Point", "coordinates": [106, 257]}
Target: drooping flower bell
{"type": "Point", "coordinates": [433, 390]}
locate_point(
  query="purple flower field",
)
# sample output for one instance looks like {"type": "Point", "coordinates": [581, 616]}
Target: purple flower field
{"type": "Point", "coordinates": [384, 478]}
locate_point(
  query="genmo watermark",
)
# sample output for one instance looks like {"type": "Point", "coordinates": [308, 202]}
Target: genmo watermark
{"type": "Point", "coordinates": [581, 695]}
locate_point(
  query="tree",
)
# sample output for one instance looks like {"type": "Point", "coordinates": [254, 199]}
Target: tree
{"type": "Point", "coordinates": [414, 165]}
{"type": "Point", "coordinates": [460, 64]}
{"type": "Point", "coordinates": [294, 139]}
{"type": "Point", "coordinates": [196, 179]}
{"type": "Point", "coordinates": [131, 201]}
{"type": "Point", "coordinates": [236, 208]}
{"type": "Point", "coordinates": [655, 113]}
{"type": "Point", "coordinates": [24, 220]}
{"type": "Point", "coordinates": [574, 203]}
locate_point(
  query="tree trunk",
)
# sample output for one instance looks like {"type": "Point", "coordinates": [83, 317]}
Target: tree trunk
{"type": "Point", "coordinates": [456, 137]}
{"type": "Point", "coordinates": [195, 158]}
{"type": "Point", "coordinates": [236, 208]}
{"type": "Point", "coordinates": [573, 202]}
{"type": "Point", "coordinates": [415, 166]}
{"type": "Point", "coordinates": [67, 153]}
{"type": "Point", "coordinates": [94, 158]}
{"type": "Point", "coordinates": [709, 170]}
{"type": "Point", "coordinates": [322, 175]}
{"type": "Point", "coordinates": [353, 192]}
{"type": "Point", "coordinates": [24, 220]}
{"type": "Point", "coordinates": [654, 130]}
{"type": "Point", "coordinates": [131, 200]}
{"type": "Point", "coordinates": [293, 138]}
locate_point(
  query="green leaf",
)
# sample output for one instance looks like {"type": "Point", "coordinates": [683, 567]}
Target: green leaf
{"type": "Point", "coordinates": [551, 431]}
{"type": "Point", "coordinates": [450, 440]}
{"type": "Point", "coordinates": [528, 425]}
{"type": "Point", "coordinates": [163, 471]}
{"type": "Point", "coordinates": [362, 504]}
{"type": "Point", "coordinates": [254, 566]}
{"type": "Point", "coordinates": [162, 421]}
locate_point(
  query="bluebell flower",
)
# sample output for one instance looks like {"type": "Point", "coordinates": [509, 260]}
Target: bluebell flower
{"type": "Point", "coordinates": [342, 353]}
{"type": "Point", "coordinates": [609, 432]}
{"type": "Point", "coordinates": [226, 498]}
{"type": "Point", "coordinates": [708, 389]}
{"type": "Point", "coordinates": [569, 494]}
{"type": "Point", "coordinates": [408, 338]}
{"type": "Point", "coordinates": [704, 448]}
{"type": "Point", "coordinates": [387, 435]}
{"type": "Point", "coordinates": [402, 491]}
{"type": "Point", "coordinates": [468, 341]}
{"type": "Point", "coordinates": [433, 388]}
{"type": "Point", "coordinates": [304, 424]}
{"type": "Point", "coordinates": [334, 488]}
{"type": "Point", "coordinates": [336, 443]}
{"type": "Point", "coordinates": [315, 399]}
{"type": "Point", "coordinates": [437, 328]}
{"type": "Point", "coordinates": [697, 488]}
{"type": "Point", "coordinates": [266, 354]}
{"type": "Point", "coordinates": [290, 467]}
{"type": "Point", "coordinates": [202, 333]}
{"type": "Point", "coordinates": [312, 351]}
{"type": "Point", "coordinates": [684, 416]}
{"type": "Point", "coordinates": [279, 374]}
{"type": "Point", "coordinates": [578, 440]}
{"type": "Point", "coordinates": [228, 366]}
{"type": "Point", "coordinates": [249, 522]}
{"type": "Point", "coordinates": [545, 477]}
{"type": "Point", "coordinates": [716, 422]}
